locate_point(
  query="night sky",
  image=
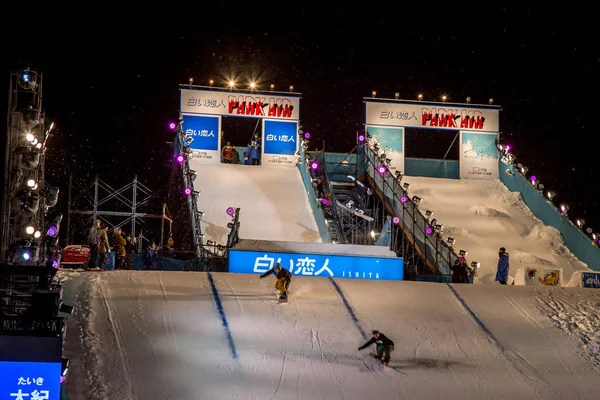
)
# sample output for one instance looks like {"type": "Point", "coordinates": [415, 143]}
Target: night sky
{"type": "Point", "coordinates": [111, 79]}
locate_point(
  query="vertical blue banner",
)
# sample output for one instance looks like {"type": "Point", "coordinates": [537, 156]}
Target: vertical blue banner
{"type": "Point", "coordinates": [30, 380]}
{"type": "Point", "coordinates": [280, 142]}
{"type": "Point", "coordinates": [203, 135]}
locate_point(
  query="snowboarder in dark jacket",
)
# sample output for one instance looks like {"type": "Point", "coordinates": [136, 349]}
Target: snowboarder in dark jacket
{"type": "Point", "coordinates": [384, 346]}
{"type": "Point", "coordinates": [284, 277]}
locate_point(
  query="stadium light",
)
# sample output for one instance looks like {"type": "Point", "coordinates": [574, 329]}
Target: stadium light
{"type": "Point", "coordinates": [564, 208]}
{"type": "Point", "coordinates": [580, 222]}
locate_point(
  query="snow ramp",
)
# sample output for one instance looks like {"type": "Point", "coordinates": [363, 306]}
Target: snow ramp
{"type": "Point", "coordinates": [483, 215]}
{"type": "Point", "coordinates": [273, 202]}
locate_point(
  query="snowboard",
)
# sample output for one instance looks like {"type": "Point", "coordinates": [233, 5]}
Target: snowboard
{"type": "Point", "coordinates": [283, 300]}
{"type": "Point", "coordinates": [378, 360]}
{"type": "Point", "coordinates": [355, 211]}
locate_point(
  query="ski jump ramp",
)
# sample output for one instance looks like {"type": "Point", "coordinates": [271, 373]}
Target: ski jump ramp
{"type": "Point", "coordinates": [483, 215]}
{"type": "Point", "coordinates": [273, 202]}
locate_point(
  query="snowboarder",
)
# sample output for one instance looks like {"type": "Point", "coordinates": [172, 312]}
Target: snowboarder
{"type": "Point", "coordinates": [358, 195]}
{"type": "Point", "coordinates": [503, 266]}
{"type": "Point", "coordinates": [384, 346]}
{"type": "Point", "coordinates": [284, 277]}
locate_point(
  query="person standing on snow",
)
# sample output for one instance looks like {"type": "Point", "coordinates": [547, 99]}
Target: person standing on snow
{"type": "Point", "coordinates": [228, 153]}
{"type": "Point", "coordinates": [503, 266]}
{"type": "Point", "coordinates": [284, 277]}
{"type": "Point", "coordinates": [384, 346]}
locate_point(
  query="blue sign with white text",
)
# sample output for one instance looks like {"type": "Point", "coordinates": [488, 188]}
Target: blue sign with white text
{"type": "Point", "coordinates": [201, 132]}
{"type": "Point", "coordinates": [280, 137]}
{"type": "Point", "coordinates": [590, 280]}
{"type": "Point", "coordinates": [324, 265]}
{"type": "Point", "coordinates": [30, 380]}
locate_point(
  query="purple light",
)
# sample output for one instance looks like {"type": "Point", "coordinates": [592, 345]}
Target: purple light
{"type": "Point", "coordinates": [52, 231]}
{"type": "Point", "coordinates": [462, 260]}
{"type": "Point", "coordinates": [187, 191]}
{"type": "Point", "coordinates": [382, 169]}
{"type": "Point", "coordinates": [361, 138]}
{"type": "Point", "coordinates": [403, 199]}
{"type": "Point", "coordinates": [429, 230]}
{"type": "Point", "coordinates": [180, 158]}
{"type": "Point", "coordinates": [230, 210]}
{"type": "Point", "coordinates": [533, 178]}
{"type": "Point", "coordinates": [396, 220]}
{"type": "Point", "coordinates": [172, 126]}
{"type": "Point", "coordinates": [507, 148]}
{"type": "Point", "coordinates": [306, 135]}
{"type": "Point", "coordinates": [314, 165]}
{"type": "Point", "coordinates": [325, 202]}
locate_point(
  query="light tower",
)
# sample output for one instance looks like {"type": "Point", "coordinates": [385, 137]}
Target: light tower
{"type": "Point", "coordinates": [26, 198]}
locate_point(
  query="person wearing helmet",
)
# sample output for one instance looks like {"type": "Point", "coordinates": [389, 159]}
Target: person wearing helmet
{"type": "Point", "coordinates": [284, 277]}
{"type": "Point", "coordinates": [359, 194]}
{"type": "Point", "coordinates": [384, 346]}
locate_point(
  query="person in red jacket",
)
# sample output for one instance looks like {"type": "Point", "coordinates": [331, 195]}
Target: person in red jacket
{"type": "Point", "coordinates": [228, 153]}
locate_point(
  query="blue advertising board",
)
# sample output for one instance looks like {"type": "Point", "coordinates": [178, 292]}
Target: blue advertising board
{"type": "Point", "coordinates": [322, 265]}
{"type": "Point", "coordinates": [590, 280]}
{"type": "Point", "coordinates": [280, 142]}
{"type": "Point", "coordinates": [202, 134]}
{"type": "Point", "coordinates": [30, 380]}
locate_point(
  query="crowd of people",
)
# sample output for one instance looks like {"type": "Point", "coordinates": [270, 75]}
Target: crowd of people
{"type": "Point", "coordinates": [124, 248]}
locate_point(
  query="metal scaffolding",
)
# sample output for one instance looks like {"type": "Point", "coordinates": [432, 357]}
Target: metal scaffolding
{"type": "Point", "coordinates": [116, 207]}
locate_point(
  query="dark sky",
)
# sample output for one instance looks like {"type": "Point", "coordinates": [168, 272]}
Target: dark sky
{"type": "Point", "coordinates": [111, 77]}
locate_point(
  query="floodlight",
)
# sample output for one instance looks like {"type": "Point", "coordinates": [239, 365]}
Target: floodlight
{"type": "Point", "coordinates": [406, 186]}
{"type": "Point", "coordinates": [451, 241]}
{"type": "Point", "coordinates": [550, 195]}
{"type": "Point", "coordinates": [580, 222]}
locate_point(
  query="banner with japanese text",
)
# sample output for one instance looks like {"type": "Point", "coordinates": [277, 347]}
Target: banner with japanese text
{"type": "Point", "coordinates": [590, 280]}
{"type": "Point", "coordinates": [239, 104]}
{"type": "Point", "coordinates": [30, 380]}
{"type": "Point", "coordinates": [391, 142]}
{"type": "Point", "coordinates": [320, 265]}
{"type": "Point", "coordinates": [202, 134]}
{"type": "Point", "coordinates": [439, 116]}
{"type": "Point", "coordinates": [478, 155]}
{"type": "Point", "coordinates": [279, 142]}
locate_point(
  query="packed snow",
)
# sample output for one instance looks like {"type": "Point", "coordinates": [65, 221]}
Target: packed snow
{"type": "Point", "coordinates": [272, 199]}
{"type": "Point", "coordinates": [169, 335]}
{"type": "Point", "coordinates": [483, 215]}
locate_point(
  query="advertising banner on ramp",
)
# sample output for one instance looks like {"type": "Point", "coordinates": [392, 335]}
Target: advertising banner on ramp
{"type": "Point", "coordinates": [391, 142]}
{"type": "Point", "coordinates": [279, 142]}
{"type": "Point", "coordinates": [478, 155]}
{"type": "Point", "coordinates": [320, 265]}
{"type": "Point", "coordinates": [202, 134]}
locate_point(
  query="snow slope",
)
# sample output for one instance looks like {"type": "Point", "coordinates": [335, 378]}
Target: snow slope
{"type": "Point", "coordinates": [483, 216]}
{"type": "Point", "coordinates": [169, 335]}
{"type": "Point", "coordinates": [273, 201]}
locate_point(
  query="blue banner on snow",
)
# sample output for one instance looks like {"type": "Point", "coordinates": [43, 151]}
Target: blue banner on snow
{"type": "Point", "coordinates": [590, 280]}
{"type": "Point", "coordinates": [322, 265]}
{"type": "Point", "coordinates": [30, 380]}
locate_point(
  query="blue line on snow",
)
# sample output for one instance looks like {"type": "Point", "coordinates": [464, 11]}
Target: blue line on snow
{"type": "Point", "coordinates": [222, 314]}
{"type": "Point", "coordinates": [349, 308]}
{"type": "Point", "coordinates": [476, 318]}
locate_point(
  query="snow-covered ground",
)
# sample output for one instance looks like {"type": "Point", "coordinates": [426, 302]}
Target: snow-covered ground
{"type": "Point", "coordinates": [273, 202]}
{"type": "Point", "coordinates": [170, 335]}
{"type": "Point", "coordinates": [483, 215]}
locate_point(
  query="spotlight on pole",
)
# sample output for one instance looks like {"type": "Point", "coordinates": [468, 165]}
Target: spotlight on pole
{"type": "Point", "coordinates": [451, 241]}
{"type": "Point", "coordinates": [580, 222]}
{"type": "Point", "coordinates": [564, 208]}
{"type": "Point", "coordinates": [550, 195]}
